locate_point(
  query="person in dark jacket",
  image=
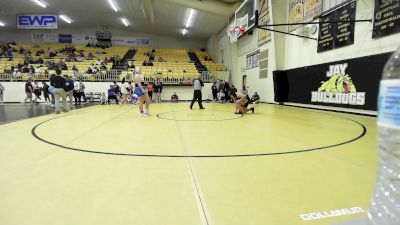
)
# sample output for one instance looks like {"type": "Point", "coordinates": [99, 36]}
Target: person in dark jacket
{"type": "Point", "coordinates": [69, 88]}
{"type": "Point", "coordinates": [112, 94]}
{"type": "Point", "coordinates": [197, 95]}
{"type": "Point", "coordinates": [214, 90]}
{"type": "Point", "coordinates": [58, 82]}
{"type": "Point", "coordinates": [46, 92]}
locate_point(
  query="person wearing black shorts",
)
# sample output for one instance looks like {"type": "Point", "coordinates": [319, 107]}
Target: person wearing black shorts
{"type": "Point", "coordinates": [155, 91]}
{"type": "Point", "coordinates": [242, 103]}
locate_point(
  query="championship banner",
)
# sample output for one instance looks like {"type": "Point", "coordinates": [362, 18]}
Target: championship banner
{"type": "Point", "coordinates": [352, 83]}
{"type": "Point", "coordinates": [335, 35]}
{"type": "Point", "coordinates": [296, 13]}
{"type": "Point", "coordinates": [44, 38]}
{"type": "Point", "coordinates": [312, 8]}
{"type": "Point", "coordinates": [386, 18]}
{"type": "Point", "coordinates": [264, 36]}
{"type": "Point", "coordinates": [37, 21]}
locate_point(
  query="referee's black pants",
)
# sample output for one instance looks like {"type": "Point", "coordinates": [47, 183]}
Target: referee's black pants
{"type": "Point", "coordinates": [197, 96]}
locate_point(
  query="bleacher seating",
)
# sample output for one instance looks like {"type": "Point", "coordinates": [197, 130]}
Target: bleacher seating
{"type": "Point", "coordinates": [209, 64]}
{"type": "Point", "coordinates": [173, 63]}
{"type": "Point", "coordinates": [168, 63]}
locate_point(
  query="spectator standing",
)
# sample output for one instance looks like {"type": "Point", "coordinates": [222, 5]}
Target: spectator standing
{"type": "Point", "coordinates": [2, 89]}
{"type": "Point", "coordinates": [46, 92]}
{"type": "Point", "coordinates": [37, 92]}
{"type": "Point", "coordinates": [156, 90]}
{"type": "Point", "coordinates": [28, 90]}
{"type": "Point", "coordinates": [197, 95]}
{"type": "Point", "coordinates": [159, 94]}
{"type": "Point", "coordinates": [124, 91]}
{"type": "Point", "coordinates": [214, 90]}
{"type": "Point", "coordinates": [69, 89]}
{"type": "Point", "coordinates": [82, 90]}
{"type": "Point", "coordinates": [77, 93]}
{"type": "Point", "coordinates": [226, 91]}
{"type": "Point", "coordinates": [58, 82]}
{"type": "Point", "coordinates": [150, 88]}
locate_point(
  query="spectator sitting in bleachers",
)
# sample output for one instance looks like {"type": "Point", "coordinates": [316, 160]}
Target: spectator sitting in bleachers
{"type": "Point", "coordinates": [144, 63]}
{"type": "Point", "coordinates": [150, 63]}
{"type": "Point", "coordinates": [81, 53]}
{"type": "Point", "coordinates": [38, 70]}
{"type": "Point", "coordinates": [103, 66]}
{"type": "Point", "coordinates": [80, 59]}
{"type": "Point", "coordinates": [74, 68]}
{"type": "Point", "coordinates": [60, 53]}
{"type": "Point", "coordinates": [160, 59]}
{"type": "Point", "coordinates": [31, 70]}
{"type": "Point", "coordinates": [90, 56]}
{"type": "Point", "coordinates": [89, 70]}
{"type": "Point", "coordinates": [21, 50]}
{"type": "Point", "coordinates": [10, 55]}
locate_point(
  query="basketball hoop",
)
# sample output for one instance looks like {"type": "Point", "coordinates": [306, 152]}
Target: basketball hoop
{"type": "Point", "coordinates": [235, 32]}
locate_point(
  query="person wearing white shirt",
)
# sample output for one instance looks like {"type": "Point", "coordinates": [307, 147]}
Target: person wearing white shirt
{"type": "Point", "coordinates": [124, 91]}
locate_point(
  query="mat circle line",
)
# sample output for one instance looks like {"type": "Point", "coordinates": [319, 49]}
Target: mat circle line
{"type": "Point", "coordinates": [359, 136]}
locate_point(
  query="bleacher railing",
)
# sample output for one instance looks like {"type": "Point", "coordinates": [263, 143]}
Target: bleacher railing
{"type": "Point", "coordinates": [110, 75]}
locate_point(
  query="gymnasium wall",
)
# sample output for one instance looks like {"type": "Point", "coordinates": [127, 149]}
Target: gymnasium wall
{"type": "Point", "coordinates": [156, 40]}
{"type": "Point", "coordinates": [15, 91]}
{"type": "Point", "coordinates": [287, 52]}
{"type": "Point", "coordinates": [303, 52]}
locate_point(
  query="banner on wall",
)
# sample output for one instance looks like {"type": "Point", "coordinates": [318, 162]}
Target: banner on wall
{"type": "Point", "coordinates": [296, 13]}
{"type": "Point", "coordinates": [264, 36]}
{"type": "Point", "coordinates": [253, 60]}
{"type": "Point", "coordinates": [65, 38]}
{"type": "Point", "coordinates": [337, 35]}
{"type": "Point", "coordinates": [80, 39]}
{"type": "Point", "coordinates": [37, 21]}
{"type": "Point", "coordinates": [351, 83]}
{"type": "Point", "coordinates": [312, 8]}
{"type": "Point", "coordinates": [130, 41]}
{"type": "Point", "coordinates": [44, 38]}
{"type": "Point", "coordinates": [386, 18]}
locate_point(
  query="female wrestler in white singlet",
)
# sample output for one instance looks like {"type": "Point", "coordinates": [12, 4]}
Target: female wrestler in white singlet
{"type": "Point", "coordinates": [141, 93]}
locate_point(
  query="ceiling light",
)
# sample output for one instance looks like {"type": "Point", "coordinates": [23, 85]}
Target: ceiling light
{"type": "Point", "coordinates": [2, 24]}
{"type": "Point", "coordinates": [184, 31]}
{"type": "Point", "coordinates": [113, 6]}
{"type": "Point", "coordinates": [65, 18]}
{"type": "Point", "coordinates": [190, 17]}
{"type": "Point", "coordinates": [40, 3]}
{"type": "Point", "coordinates": [125, 21]}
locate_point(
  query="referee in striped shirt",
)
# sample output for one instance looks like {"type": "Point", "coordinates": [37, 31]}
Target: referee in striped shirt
{"type": "Point", "coordinates": [197, 85]}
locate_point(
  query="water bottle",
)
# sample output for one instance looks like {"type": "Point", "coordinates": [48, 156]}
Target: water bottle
{"type": "Point", "coordinates": [385, 203]}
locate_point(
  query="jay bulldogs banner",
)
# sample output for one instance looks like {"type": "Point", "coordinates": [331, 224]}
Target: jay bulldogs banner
{"type": "Point", "coordinates": [351, 83]}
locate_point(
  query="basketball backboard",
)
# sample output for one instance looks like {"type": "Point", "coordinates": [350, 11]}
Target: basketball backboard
{"type": "Point", "coordinates": [245, 15]}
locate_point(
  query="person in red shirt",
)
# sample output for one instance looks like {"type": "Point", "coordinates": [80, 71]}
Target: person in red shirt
{"type": "Point", "coordinates": [150, 88]}
{"type": "Point", "coordinates": [174, 97]}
